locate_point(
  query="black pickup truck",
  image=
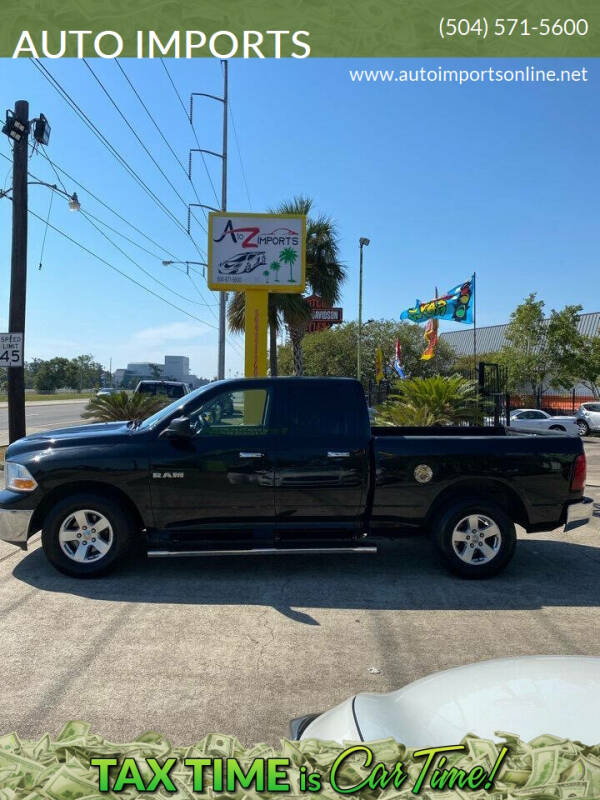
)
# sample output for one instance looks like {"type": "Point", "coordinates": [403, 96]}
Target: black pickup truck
{"type": "Point", "coordinates": [295, 467]}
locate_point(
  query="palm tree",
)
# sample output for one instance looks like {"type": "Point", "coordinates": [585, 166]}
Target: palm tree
{"type": "Point", "coordinates": [324, 277]}
{"type": "Point", "coordinates": [123, 406]}
{"type": "Point", "coordinates": [438, 400]}
{"type": "Point", "coordinates": [275, 266]}
{"type": "Point", "coordinates": [289, 256]}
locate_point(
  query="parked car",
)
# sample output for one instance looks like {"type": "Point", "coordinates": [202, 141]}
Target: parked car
{"type": "Point", "coordinates": [530, 695]}
{"type": "Point", "coordinates": [588, 418]}
{"type": "Point", "coordinates": [105, 391]}
{"type": "Point", "coordinates": [171, 389]}
{"type": "Point", "coordinates": [296, 469]}
{"type": "Point", "coordinates": [532, 419]}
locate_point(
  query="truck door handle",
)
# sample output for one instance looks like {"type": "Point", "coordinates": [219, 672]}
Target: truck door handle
{"type": "Point", "coordinates": [244, 454]}
{"type": "Point", "coordinates": [338, 454]}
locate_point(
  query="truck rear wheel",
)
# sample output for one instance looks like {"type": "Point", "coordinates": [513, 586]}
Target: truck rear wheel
{"type": "Point", "coordinates": [476, 538]}
{"type": "Point", "coordinates": [85, 535]}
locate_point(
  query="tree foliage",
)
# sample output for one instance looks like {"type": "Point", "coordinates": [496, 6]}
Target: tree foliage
{"type": "Point", "coordinates": [333, 351]}
{"type": "Point", "coordinates": [123, 406]}
{"type": "Point", "coordinates": [436, 400]}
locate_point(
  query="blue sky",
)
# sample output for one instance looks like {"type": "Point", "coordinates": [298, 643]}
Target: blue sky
{"type": "Point", "coordinates": [443, 179]}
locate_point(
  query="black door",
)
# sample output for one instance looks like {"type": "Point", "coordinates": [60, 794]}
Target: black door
{"type": "Point", "coordinates": [322, 461]}
{"type": "Point", "coordinates": [224, 474]}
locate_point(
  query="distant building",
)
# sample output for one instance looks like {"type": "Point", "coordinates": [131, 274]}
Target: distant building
{"type": "Point", "coordinates": [175, 368]}
{"type": "Point", "coordinates": [491, 338]}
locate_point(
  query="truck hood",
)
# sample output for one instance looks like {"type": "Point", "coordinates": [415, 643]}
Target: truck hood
{"type": "Point", "coordinates": [75, 436]}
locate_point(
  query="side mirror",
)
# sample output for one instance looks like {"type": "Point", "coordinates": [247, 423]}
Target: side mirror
{"type": "Point", "coordinates": [178, 428]}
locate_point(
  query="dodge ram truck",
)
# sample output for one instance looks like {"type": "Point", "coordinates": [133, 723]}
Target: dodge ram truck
{"type": "Point", "coordinates": [295, 467]}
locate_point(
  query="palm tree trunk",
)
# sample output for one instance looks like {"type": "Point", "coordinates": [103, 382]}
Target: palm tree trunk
{"type": "Point", "coordinates": [296, 335]}
{"type": "Point", "coordinates": [273, 350]}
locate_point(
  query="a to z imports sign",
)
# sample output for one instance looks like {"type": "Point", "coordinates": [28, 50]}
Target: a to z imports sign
{"type": "Point", "coordinates": [11, 349]}
{"type": "Point", "coordinates": [256, 251]}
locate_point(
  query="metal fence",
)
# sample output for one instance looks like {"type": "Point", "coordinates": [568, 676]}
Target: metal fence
{"type": "Point", "coordinates": [553, 401]}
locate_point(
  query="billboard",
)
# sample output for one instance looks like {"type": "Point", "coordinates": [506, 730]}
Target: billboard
{"type": "Point", "coordinates": [256, 251]}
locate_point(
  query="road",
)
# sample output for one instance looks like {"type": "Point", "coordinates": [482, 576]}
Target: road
{"type": "Point", "coordinates": [240, 646]}
{"type": "Point", "coordinates": [43, 416]}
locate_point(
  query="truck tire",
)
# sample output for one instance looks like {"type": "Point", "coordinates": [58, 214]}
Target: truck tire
{"type": "Point", "coordinates": [475, 538]}
{"type": "Point", "coordinates": [86, 535]}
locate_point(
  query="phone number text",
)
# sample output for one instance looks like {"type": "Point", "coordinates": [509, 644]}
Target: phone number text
{"type": "Point", "coordinates": [481, 27]}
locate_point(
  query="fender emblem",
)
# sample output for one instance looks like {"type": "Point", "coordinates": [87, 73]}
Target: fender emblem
{"type": "Point", "coordinates": [423, 473]}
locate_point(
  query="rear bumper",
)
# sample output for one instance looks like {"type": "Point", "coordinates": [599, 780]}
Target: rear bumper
{"type": "Point", "coordinates": [14, 526]}
{"type": "Point", "coordinates": [579, 514]}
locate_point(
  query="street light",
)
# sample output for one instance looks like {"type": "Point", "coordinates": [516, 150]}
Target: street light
{"type": "Point", "coordinates": [363, 242]}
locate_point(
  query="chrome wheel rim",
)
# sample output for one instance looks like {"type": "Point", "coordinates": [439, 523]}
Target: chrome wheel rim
{"type": "Point", "coordinates": [476, 539]}
{"type": "Point", "coordinates": [85, 536]}
{"type": "Point", "coordinates": [583, 428]}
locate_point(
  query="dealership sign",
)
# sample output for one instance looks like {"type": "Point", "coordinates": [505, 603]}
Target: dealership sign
{"type": "Point", "coordinates": [256, 251]}
{"type": "Point", "coordinates": [11, 349]}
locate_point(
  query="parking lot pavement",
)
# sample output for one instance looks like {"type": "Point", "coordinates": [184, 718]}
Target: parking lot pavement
{"type": "Point", "coordinates": [236, 645]}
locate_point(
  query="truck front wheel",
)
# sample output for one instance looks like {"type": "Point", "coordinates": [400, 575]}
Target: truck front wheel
{"type": "Point", "coordinates": [475, 538]}
{"type": "Point", "coordinates": [85, 535]}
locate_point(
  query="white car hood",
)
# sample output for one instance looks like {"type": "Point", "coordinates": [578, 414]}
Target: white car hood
{"type": "Point", "coordinates": [528, 696]}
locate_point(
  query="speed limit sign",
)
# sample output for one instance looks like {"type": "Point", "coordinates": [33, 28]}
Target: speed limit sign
{"type": "Point", "coordinates": [11, 349]}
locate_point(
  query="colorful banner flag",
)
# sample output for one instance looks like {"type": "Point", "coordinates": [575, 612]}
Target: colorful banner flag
{"type": "Point", "coordinates": [431, 337]}
{"type": "Point", "coordinates": [456, 305]}
{"type": "Point", "coordinates": [379, 376]}
{"type": "Point", "coordinates": [397, 362]}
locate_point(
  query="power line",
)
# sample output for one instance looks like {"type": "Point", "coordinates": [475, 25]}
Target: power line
{"type": "Point", "coordinates": [106, 205]}
{"type": "Point", "coordinates": [120, 233]}
{"type": "Point", "coordinates": [112, 150]}
{"type": "Point", "coordinates": [160, 133]}
{"type": "Point", "coordinates": [133, 261]}
{"type": "Point", "coordinates": [120, 272]}
{"type": "Point", "coordinates": [191, 123]}
{"type": "Point", "coordinates": [138, 138]}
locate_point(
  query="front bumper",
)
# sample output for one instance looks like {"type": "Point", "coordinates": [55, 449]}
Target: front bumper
{"type": "Point", "coordinates": [579, 514]}
{"type": "Point", "coordinates": [14, 526]}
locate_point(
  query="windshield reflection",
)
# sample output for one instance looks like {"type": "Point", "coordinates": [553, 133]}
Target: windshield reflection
{"type": "Point", "coordinates": [180, 403]}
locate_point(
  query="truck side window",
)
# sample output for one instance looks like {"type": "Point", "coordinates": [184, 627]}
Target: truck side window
{"type": "Point", "coordinates": [241, 413]}
{"type": "Point", "coordinates": [316, 411]}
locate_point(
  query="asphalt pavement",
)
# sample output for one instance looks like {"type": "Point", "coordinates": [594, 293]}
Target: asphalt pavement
{"type": "Point", "coordinates": [44, 416]}
{"type": "Point", "coordinates": [241, 645]}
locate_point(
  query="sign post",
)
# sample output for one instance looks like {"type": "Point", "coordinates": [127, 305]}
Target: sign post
{"type": "Point", "coordinates": [256, 254]}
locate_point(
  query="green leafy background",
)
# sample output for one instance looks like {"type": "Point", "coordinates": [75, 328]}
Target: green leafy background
{"type": "Point", "coordinates": [349, 28]}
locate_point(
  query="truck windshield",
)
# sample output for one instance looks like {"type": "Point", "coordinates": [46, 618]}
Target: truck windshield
{"type": "Point", "coordinates": [165, 412]}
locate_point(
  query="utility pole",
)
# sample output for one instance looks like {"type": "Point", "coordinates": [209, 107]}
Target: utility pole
{"type": "Point", "coordinates": [223, 157]}
{"type": "Point", "coordinates": [18, 271]}
{"type": "Point", "coordinates": [363, 241]}
{"type": "Point", "coordinates": [223, 295]}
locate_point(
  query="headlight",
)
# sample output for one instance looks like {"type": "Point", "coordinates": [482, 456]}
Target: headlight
{"type": "Point", "coordinates": [18, 478]}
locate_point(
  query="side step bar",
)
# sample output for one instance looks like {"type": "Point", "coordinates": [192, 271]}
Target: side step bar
{"type": "Point", "coordinates": [260, 551]}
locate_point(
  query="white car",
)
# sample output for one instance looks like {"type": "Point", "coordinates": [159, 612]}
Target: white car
{"type": "Point", "coordinates": [528, 695]}
{"type": "Point", "coordinates": [588, 418]}
{"type": "Point", "coordinates": [532, 419]}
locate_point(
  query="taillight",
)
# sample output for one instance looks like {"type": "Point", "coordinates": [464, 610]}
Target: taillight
{"type": "Point", "coordinates": [578, 481]}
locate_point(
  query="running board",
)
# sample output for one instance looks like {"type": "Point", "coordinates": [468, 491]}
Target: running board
{"type": "Point", "coordinates": [260, 551]}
